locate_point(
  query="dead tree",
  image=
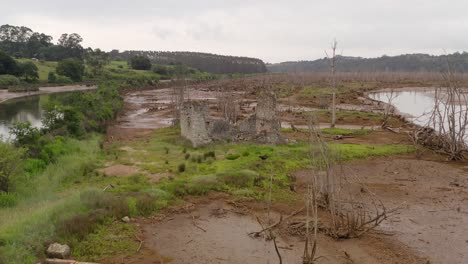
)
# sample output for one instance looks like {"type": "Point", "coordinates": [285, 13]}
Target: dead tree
{"type": "Point", "coordinates": [448, 123]}
{"type": "Point", "coordinates": [389, 109]}
{"type": "Point", "coordinates": [332, 59]}
{"type": "Point", "coordinates": [351, 215]}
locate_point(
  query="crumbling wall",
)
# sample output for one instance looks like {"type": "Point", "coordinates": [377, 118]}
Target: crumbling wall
{"type": "Point", "coordinates": [193, 124]}
{"type": "Point", "coordinates": [267, 125]}
{"type": "Point", "coordinates": [263, 126]}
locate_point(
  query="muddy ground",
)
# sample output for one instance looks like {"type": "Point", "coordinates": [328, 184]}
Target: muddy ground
{"type": "Point", "coordinates": [431, 225]}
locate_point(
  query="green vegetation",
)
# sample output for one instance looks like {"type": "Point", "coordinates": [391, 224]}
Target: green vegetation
{"type": "Point", "coordinates": [140, 63]}
{"type": "Point", "coordinates": [235, 166]}
{"type": "Point", "coordinates": [345, 131]}
{"type": "Point", "coordinates": [8, 80]}
{"type": "Point", "coordinates": [71, 68]}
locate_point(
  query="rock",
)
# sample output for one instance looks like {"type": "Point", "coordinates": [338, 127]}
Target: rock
{"type": "Point", "coordinates": [58, 251]}
{"type": "Point", "coordinates": [126, 219]}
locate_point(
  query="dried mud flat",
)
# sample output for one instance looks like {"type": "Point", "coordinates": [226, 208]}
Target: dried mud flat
{"type": "Point", "coordinates": [216, 232]}
{"type": "Point", "coordinates": [434, 220]}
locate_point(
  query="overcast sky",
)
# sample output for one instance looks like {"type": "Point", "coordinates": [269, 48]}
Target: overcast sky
{"type": "Point", "coordinates": [268, 29]}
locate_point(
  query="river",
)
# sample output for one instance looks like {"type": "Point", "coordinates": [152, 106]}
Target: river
{"type": "Point", "coordinates": [29, 108]}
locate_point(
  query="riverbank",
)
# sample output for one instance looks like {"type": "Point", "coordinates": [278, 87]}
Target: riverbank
{"type": "Point", "coordinates": [5, 95]}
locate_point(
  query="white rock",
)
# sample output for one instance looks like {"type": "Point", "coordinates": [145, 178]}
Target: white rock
{"type": "Point", "coordinates": [126, 219]}
{"type": "Point", "coordinates": [58, 251]}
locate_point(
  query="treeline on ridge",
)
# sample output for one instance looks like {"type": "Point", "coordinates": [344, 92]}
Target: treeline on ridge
{"type": "Point", "coordinates": [211, 63]}
{"type": "Point", "coordinates": [401, 63]}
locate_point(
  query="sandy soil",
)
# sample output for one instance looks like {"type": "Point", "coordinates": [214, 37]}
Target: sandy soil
{"type": "Point", "coordinates": [5, 95]}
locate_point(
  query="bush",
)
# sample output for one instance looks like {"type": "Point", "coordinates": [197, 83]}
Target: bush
{"type": "Point", "coordinates": [112, 204]}
{"type": "Point", "coordinates": [145, 205]}
{"type": "Point", "coordinates": [8, 199]}
{"type": "Point", "coordinates": [140, 63]}
{"type": "Point", "coordinates": [10, 165]}
{"type": "Point", "coordinates": [196, 158]}
{"type": "Point", "coordinates": [29, 71]}
{"type": "Point", "coordinates": [63, 79]}
{"type": "Point", "coordinates": [202, 184]}
{"type": "Point", "coordinates": [8, 80]}
{"type": "Point", "coordinates": [52, 77]}
{"type": "Point", "coordinates": [232, 156]}
{"type": "Point", "coordinates": [181, 167]}
{"type": "Point", "coordinates": [72, 68]}
{"type": "Point", "coordinates": [81, 225]}
{"type": "Point", "coordinates": [239, 179]}
{"type": "Point", "coordinates": [8, 65]}
{"type": "Point", "coordinates": [209, 154]}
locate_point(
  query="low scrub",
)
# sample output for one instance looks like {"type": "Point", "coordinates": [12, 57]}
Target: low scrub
{"type": "Point", "coordinates": [8, 80]}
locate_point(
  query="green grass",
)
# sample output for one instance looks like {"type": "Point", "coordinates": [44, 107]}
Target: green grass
{"type": "Point", "coordinates": [107, 241]}
{"type": "Point", "coordinates": [65, 202]}
{"type": "Point", "coordinates": [345, 131]}
{"type": "Point", "coordinates": [164, 153]}
{"type": "Point", "coordinates": [43, 196]}
{"type": "Point", "coordinates": [118, 65]}
{"type": "Point", "coordinates": [44, 68]}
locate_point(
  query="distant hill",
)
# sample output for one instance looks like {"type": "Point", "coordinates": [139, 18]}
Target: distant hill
{"type": "Point", "coordinates": [401, 63]}
{"type": "Point", "coordinates": [211, 63]}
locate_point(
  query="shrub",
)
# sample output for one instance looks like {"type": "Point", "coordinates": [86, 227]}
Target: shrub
{"type": "Point", "coordinates": [209, 154]}
{"type": "Point", "coordinates": [98, 199]}
{"type": "Point", "coordinates": [202, 184]}
{"type": "Point", "coordinates": [232, 156]}
{"type": "Point", "coordinates": [239, 179]}
{"type": "Point", "coordinates": [10, 165]}
{"type": "Point", "coordinates": [63, 79]}
{"type": "Point", "coordinates": [8, 199]}
{"type": "Point", "coordinates": [8, 65]}
{"type": "Point", "coordinates": [81, 225]}
{"type": "Point", "coordinates": [196, 158]}
{"type": "Point", "coordinates": [145, 205]}
{"type": "Point", "coordinates": [72, 68]}
{"type": "Point", "coordinates": [187, 156]}
{"type": "Point", "coordinates": [52, 77]}
{"type": "Point", "coordinates": [181, 167]}
{"type": "Point", "coordinates": [140, 63]}
{"type": "Point", "coordinates": [29, 71]}
{"type": "Point", "coordinates": [8, 80]}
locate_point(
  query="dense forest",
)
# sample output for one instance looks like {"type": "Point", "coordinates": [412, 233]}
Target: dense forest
{"type": "Point", "coordinates": [211, 63]}
{"type": "Point", "coordinates": [23, 42]}
{"type": "Point", "coordinates": [401, 63]}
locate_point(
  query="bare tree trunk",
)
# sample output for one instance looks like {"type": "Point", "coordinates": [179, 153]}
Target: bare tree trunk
{"type": "Point", "coordinates": [332, 59]}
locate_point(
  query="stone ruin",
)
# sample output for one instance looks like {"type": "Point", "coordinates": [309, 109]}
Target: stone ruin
{"type": "Point", "coordinates": [193, 124]}
{"type": "Point", "coordinates": [263, 126]}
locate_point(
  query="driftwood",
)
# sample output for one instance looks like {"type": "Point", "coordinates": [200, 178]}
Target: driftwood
{"type": "Point", "coordinates": [256, 234]}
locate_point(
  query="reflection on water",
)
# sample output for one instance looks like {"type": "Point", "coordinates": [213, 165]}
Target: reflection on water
{"type": "Point", "coordinates": [416, 104]}
{"type": "Point", "coordinates": [26, 109]}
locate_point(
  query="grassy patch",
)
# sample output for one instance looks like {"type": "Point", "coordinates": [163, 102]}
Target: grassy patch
{"type": "Point", "coordinates": [107, 241]}
{"type": "Point", "coordinates": [237, 168]}
{"type": "Point", "coordinates": [44, 67]}
{"type": "Point", "coordinates": [345, 131]}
